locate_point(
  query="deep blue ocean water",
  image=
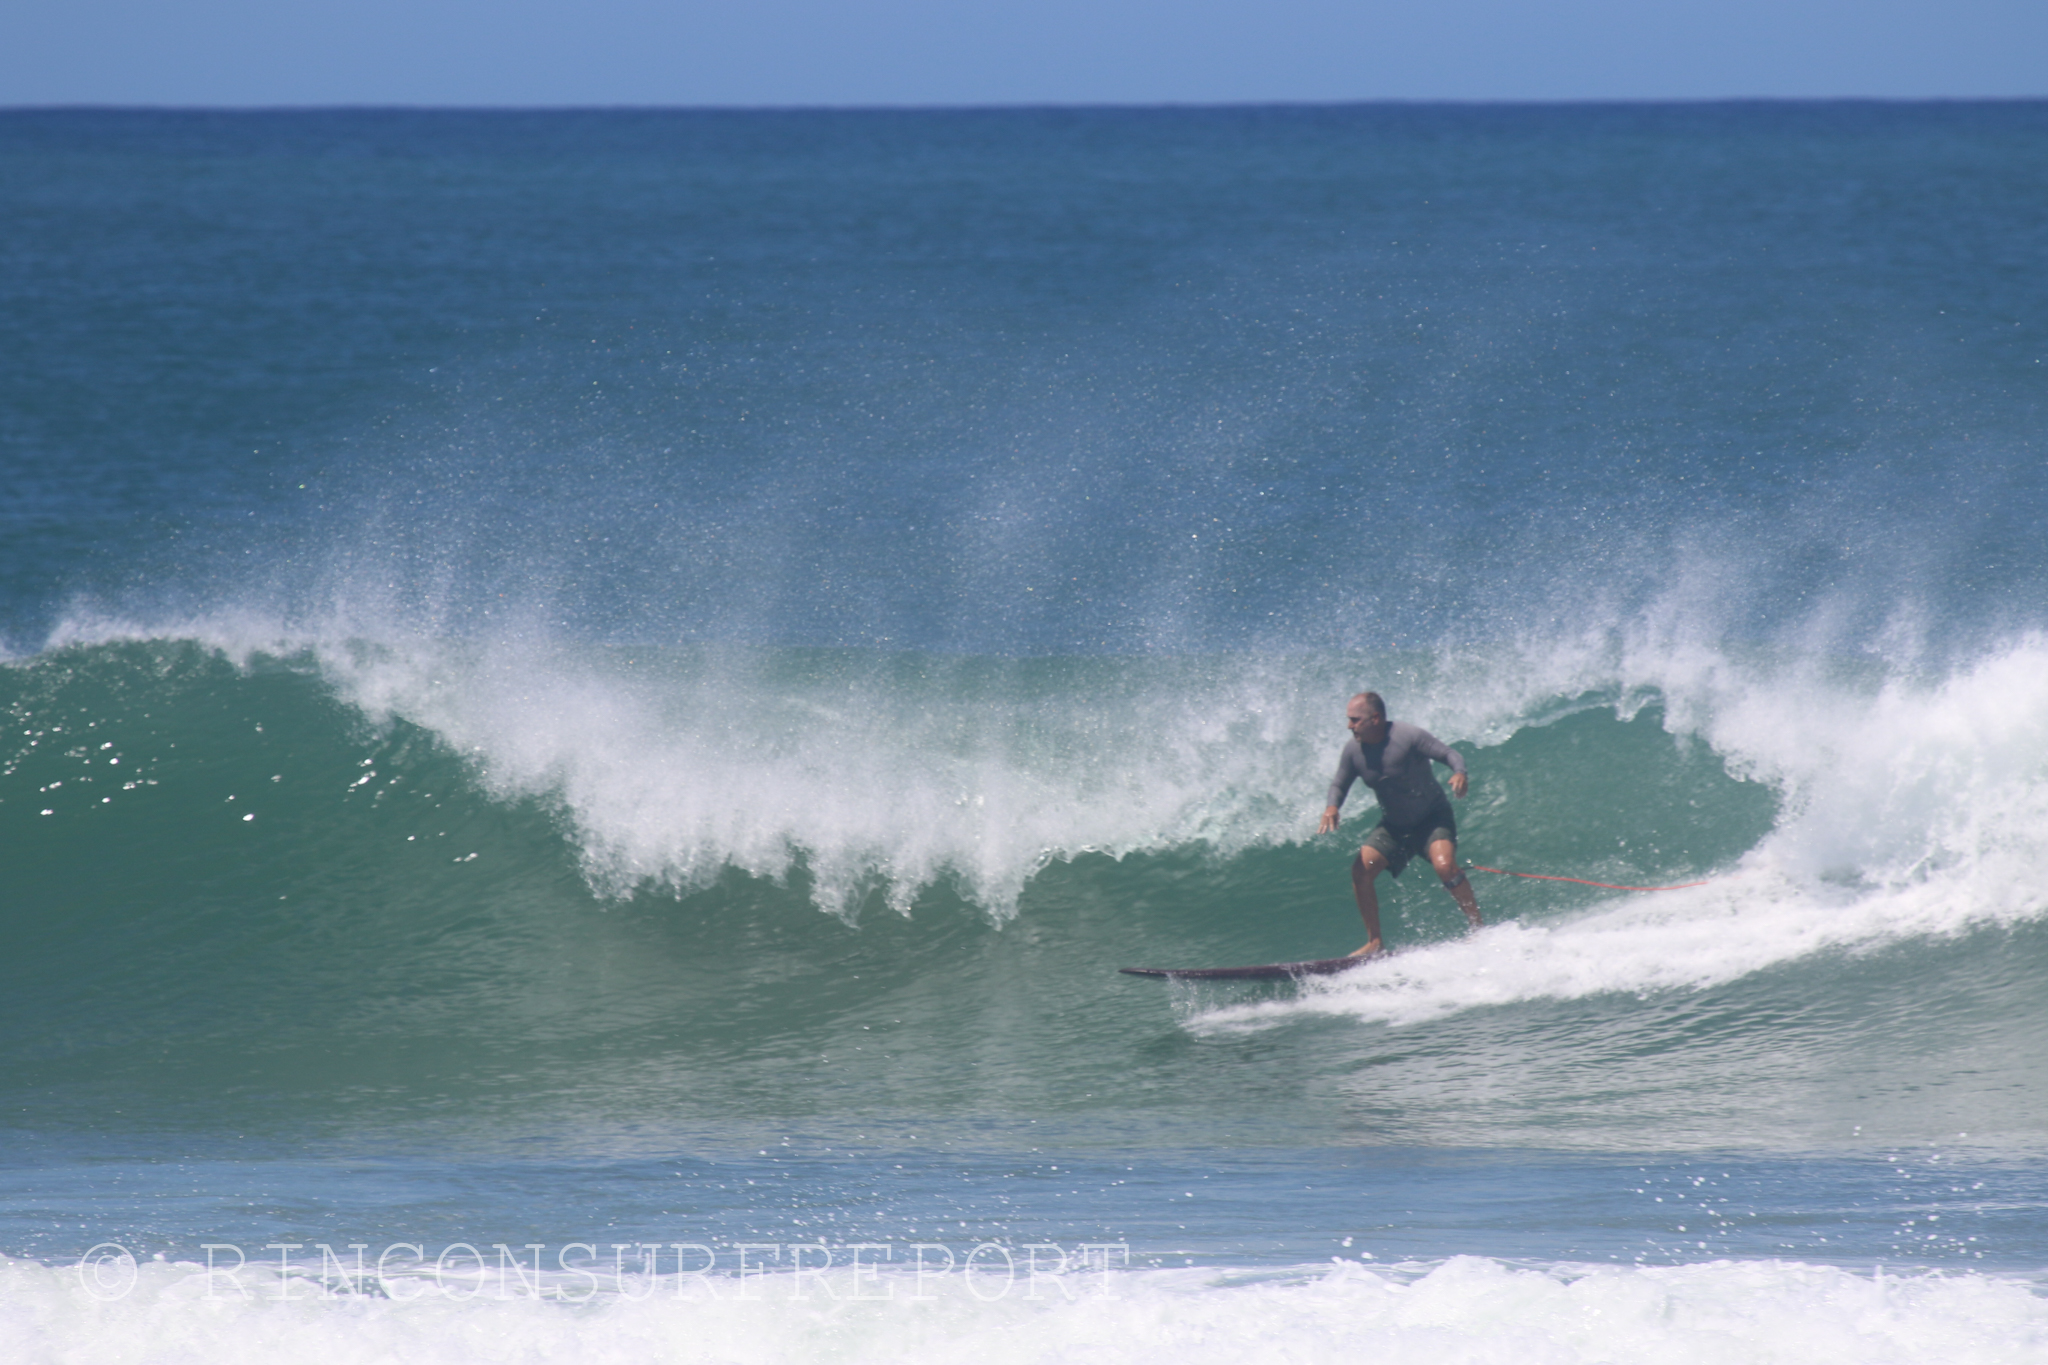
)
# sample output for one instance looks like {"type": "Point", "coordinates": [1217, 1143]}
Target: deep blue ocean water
{"type": "Point", "coordinates": [592, 701]}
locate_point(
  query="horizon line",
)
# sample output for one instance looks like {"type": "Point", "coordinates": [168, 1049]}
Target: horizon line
{"type": "Point", "coordinates": [1037, 106]}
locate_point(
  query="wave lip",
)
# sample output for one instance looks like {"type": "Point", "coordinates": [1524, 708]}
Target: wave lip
{"type": "Point", "coordinates": [884, 774]}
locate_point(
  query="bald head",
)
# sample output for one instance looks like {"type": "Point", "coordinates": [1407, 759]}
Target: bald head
{"type": "Point", "coordinates": [1366, 717]}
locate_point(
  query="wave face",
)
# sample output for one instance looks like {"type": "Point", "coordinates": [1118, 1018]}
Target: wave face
{"type": "Point", "coordinates": [662, 877]}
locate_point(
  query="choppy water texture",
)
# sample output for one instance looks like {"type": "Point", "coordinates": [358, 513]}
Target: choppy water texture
{"type": "Point", "coordinates": [586, 677]}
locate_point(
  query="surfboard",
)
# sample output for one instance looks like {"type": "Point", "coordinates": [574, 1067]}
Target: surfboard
{"type": "Point", "coordinates": [1267, 971]}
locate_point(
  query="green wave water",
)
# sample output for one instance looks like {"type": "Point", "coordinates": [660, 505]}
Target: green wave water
{"type": "Point", "coordinates": [240, 899]}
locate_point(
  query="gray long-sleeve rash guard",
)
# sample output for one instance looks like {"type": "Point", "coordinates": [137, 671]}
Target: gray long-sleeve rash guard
{"type": "Point", "coordinates": [1398, 772]}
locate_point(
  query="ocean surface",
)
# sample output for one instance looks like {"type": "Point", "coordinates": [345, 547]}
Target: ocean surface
{"type": "Point", "coordinates": [592, 701]}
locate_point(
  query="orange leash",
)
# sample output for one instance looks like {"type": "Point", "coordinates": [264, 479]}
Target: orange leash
{"type": "Point", "coordinates": [1580, 881]}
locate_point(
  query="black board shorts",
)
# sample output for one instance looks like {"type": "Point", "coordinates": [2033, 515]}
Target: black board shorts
{"type": "Point", "coordinates": [1399, 843]}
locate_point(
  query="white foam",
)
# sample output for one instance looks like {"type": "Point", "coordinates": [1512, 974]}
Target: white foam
{"type": "Point", "coordinates": [1466, 1309]}
{"type": "Point", "coordinates": [1912, 810]}
{"type": "Point", "coordinates": [671, 765]}
{"type": "Point", "coordinates": [1752, 919]}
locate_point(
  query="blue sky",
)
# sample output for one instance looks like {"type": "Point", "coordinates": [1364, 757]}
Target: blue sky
{"type": "Point", "coordinates": [947, 52]}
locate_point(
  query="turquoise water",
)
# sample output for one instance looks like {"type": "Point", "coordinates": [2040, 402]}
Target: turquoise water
{"type": "Point", "coordinates": [620, 683]}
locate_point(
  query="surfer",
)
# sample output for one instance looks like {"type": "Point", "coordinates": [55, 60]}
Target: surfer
{"type": "Point", "coordinates": [1393, 758]}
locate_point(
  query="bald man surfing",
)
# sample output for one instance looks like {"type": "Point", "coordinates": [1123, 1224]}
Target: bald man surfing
{"type": "Point", "coordinates": [1393, 759]}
